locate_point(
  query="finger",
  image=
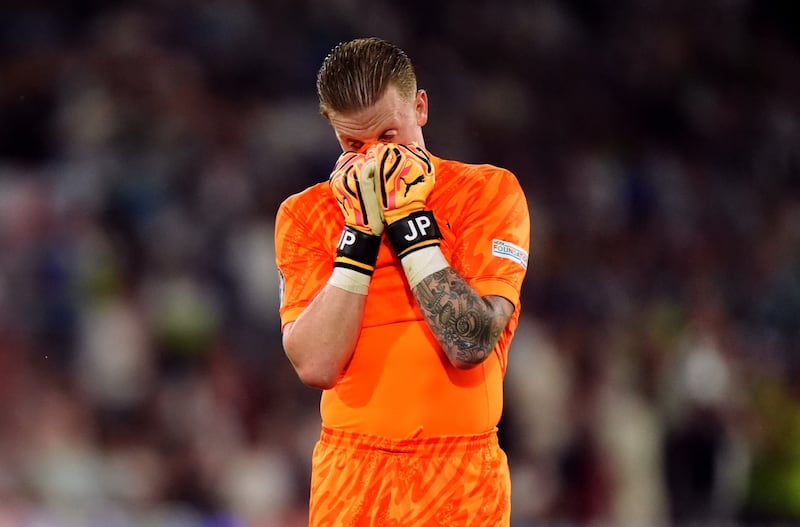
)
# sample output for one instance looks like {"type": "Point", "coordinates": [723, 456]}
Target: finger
{"type": "Point", "coordinates": [388, 163]}
{"type": "Point", "coordinates": [420, 155]}
{"type": "Point", "coordinates": [371, 206]}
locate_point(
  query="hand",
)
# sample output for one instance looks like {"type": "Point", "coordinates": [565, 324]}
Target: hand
{"type": "Point", "coordinates": [405, 177]}
{"type": "Point", "coordinates": [353, 185]}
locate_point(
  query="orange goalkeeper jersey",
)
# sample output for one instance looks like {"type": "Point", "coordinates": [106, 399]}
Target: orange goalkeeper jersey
{"type": "Point", "coordinates": [399, 383]}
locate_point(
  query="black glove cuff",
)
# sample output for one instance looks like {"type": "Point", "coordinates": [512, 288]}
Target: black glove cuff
{"type": "Point", "coordinates": [415, 231]}
{"type": "Point", "coordinates": [357, 250]}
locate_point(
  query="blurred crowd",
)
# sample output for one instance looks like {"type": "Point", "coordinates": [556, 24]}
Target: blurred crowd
{"type": "Point", "coordinates": [145, 147]}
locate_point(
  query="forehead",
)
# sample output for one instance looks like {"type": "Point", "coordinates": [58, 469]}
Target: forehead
{"type": "Point", "coordinates": [389, 111]}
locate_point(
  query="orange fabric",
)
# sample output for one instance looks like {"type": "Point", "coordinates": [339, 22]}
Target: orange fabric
{"type": "Point", "coordinates": [362, 481]}
{"type": "Point", "coordinates": [399, 382]}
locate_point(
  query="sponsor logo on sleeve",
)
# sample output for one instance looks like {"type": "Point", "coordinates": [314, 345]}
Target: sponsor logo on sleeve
{"type": "Point", "coordinates": [509, 251]}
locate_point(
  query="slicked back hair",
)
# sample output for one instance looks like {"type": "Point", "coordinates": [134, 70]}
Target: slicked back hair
{"type": "Point", "coordinates": [356, 74]}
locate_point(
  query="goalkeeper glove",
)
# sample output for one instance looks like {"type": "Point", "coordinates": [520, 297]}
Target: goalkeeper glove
{"type": "Point", "coordinates": [406, 176]}
{"type": "Point", "coordinates": [352, 185]}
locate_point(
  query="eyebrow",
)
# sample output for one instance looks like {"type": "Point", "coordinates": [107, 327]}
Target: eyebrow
{"type": "Point", "coordinates": [349, 138]}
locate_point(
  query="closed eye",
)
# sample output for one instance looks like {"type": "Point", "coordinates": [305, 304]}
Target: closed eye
{"type": "Point", "coordinates": [354, 146]}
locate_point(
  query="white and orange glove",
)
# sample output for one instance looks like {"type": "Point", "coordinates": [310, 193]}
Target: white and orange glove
{"type": "Point", "coordinates": [405, 177]}
{"type": "Point", "coordinates": [352, 183]}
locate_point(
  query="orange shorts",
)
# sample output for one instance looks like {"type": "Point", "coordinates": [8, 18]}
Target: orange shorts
{"type": "Point", "coordinates": [361, 480]}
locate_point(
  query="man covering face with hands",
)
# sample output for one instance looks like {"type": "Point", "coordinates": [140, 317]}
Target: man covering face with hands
{"type": "Point", "coordinates": [402, 276]}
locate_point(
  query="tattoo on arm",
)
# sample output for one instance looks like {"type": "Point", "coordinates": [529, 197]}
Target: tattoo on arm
{"type": "Point", "coordinates": [466, 325]}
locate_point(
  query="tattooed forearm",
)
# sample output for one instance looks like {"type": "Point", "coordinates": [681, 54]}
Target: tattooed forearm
{"type": "Point", "coordinates": [466, 325]}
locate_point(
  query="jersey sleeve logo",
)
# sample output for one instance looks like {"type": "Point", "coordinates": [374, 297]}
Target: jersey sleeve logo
{"type": "Point", "coordinates": [509, 251]}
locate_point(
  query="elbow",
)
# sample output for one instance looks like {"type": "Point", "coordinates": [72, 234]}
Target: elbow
{"type": "Point", "coordinates": [464, 365]}
{"type": "Point", "coordinates": [313, 373]}
{"type": "Point", "coordinates": [469, 357]}
{"type": "Point", "coordinates": [317, 377]}
{"type": "Point", "coordinates": [317, 364]}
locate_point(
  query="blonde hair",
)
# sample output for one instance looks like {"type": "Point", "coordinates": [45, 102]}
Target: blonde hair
{"type": "Point", "coordinates": [356, 74]}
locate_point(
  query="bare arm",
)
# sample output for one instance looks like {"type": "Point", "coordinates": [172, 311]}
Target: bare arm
{"type": "Point", "coordinates": [466, 325]}
{"type": "Point", "coordinates": [322, 339]}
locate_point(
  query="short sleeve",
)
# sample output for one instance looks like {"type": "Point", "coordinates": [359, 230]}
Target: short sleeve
{"type": "Point", "coordinates": [303, 257]}
{"type": "Point", "coordinates": [492, 239]}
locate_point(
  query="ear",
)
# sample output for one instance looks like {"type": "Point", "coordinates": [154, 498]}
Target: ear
{"type": "Point", "coordinates": [421, 107]}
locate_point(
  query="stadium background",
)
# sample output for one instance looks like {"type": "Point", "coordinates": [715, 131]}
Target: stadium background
{"type": "Point", "coordinates": [145, 147]}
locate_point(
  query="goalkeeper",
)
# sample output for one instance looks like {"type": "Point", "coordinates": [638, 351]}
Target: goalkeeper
{"type": "Point", "coordinates": [401, 279]}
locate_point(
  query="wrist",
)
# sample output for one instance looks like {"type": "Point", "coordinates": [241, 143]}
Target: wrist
{"type": "Point", "coordinates": [422, 263]}
{"type": "Point", "coordinates": [391, 216]}
{"type": "Point", "coordinates": [413, 232]}
{"type": "Point", "coordinates": [357, 251]}
{"type": "Point", "coordinates": [350, 280]}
